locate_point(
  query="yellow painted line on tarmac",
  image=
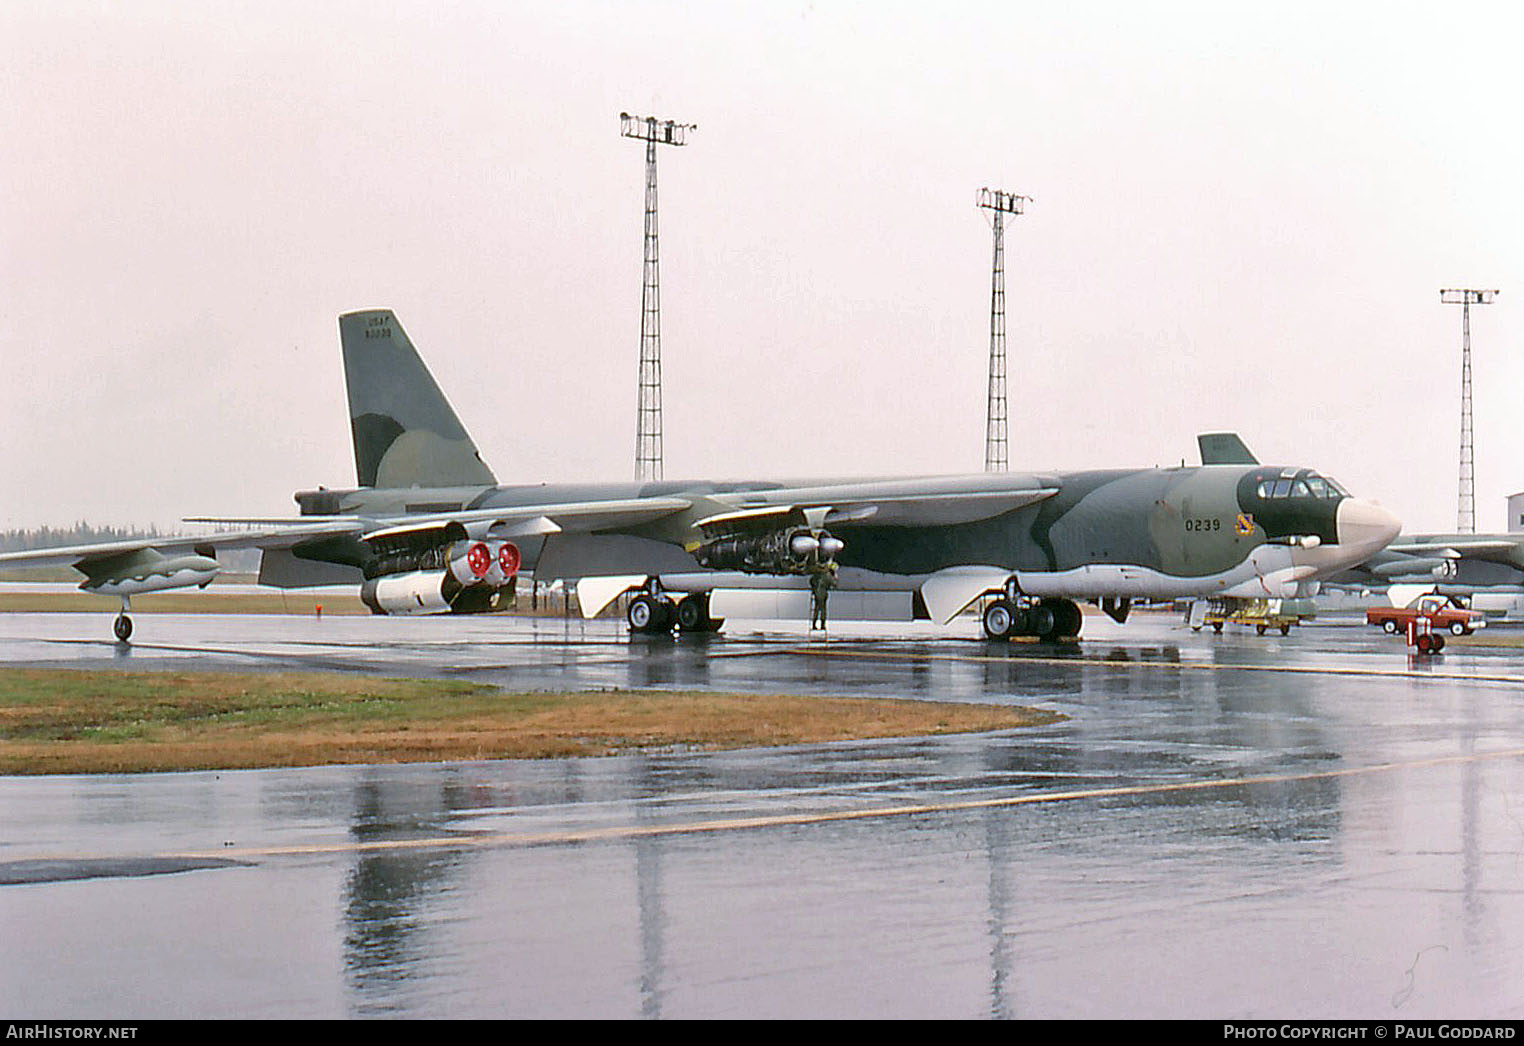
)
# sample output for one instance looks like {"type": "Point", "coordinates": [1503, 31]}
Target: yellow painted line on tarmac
{"type": "Point", "coordinates": [735, 824]}
{"type": "Point", "coordinates": [1182, 666]}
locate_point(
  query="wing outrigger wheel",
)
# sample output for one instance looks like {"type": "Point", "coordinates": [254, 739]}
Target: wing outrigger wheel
{"type": "Point", "coordinates": [122, 626]}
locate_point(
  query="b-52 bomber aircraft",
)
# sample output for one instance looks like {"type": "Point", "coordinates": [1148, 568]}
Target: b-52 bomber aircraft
{"type": "Point", "coordinates": [428, 529]}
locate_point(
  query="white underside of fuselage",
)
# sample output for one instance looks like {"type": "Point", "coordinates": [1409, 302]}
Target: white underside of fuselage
{"type": "Point", "coordinates": [1270, 571]}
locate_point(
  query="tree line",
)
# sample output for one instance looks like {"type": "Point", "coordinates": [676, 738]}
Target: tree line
{"type": "Point", "coordinates": [79, 534]}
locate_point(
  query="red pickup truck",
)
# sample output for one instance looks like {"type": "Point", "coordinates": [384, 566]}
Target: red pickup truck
{"type": "Point", "coordinates": [1439, 611]}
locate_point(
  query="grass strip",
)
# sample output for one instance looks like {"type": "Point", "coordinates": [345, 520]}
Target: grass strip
{"type": "Point", "coordinates": [55, 721]}
{"type": "Point", "coordinates": [210, 601]}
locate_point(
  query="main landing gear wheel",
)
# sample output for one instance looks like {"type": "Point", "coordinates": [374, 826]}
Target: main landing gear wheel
{"type": "Point", "coordinates": [1049, 619]}
{"type": "Point", "coordinates": [1067, 619]}
{"type": "Point", "coordinates": [999, 620]}
{"type": "Point", "coordinates": [648, 614]}
{"type": "Point", "coordinates": [693, 614]}
{"type": "Point", "coordinates": [122, 626]}
{"type": "Point", "coordinates": [1041, 622]}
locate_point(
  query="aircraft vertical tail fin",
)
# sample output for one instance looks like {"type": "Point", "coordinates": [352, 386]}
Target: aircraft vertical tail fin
{"type": "Point", "coordinates": [1224, 448]}
{"type": "Point", "coordinates": [405, 432]}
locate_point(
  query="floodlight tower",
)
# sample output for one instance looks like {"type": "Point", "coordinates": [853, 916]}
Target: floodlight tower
{"type": "Point", "coordinates": [1466, 514]}
{"type": "Point", "coordinates": [999, 204]}
{"type": "Point", "coordinates": [648, 416]}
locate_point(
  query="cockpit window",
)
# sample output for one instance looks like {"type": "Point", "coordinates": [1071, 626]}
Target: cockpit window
{"type": "Point", "coordinates": [1311, 485]}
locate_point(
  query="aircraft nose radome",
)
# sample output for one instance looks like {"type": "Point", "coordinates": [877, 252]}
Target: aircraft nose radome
{"type": "Point", "coordinates": [1365, 524]}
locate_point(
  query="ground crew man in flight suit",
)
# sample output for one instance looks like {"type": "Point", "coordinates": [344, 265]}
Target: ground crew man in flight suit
{"type": "Point", "coordinates": [821, 583]}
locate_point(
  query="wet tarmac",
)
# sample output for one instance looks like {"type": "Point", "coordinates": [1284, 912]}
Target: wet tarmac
{"type": "Point", "coordinates": [1226, 826]}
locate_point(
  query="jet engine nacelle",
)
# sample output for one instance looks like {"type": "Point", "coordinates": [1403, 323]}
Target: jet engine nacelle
{"type": "Point", "coordinates": [1416, 566]}
{"type": "Point", "coordinates": [418, 592]}
{"type": "Point", "coordinates": [794, 550]}
{"type": "Point", "coordinates": [433, 592]}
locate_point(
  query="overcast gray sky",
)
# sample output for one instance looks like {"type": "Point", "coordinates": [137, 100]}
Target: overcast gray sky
{"type": "Point", "coordinates": [1242, 218]}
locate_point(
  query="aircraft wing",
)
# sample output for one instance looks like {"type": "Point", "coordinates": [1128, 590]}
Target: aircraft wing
{"type": "Point", "coordinates": [532, 519]}
{"type": "Point", "coordinates": [739, 530]}
{"type": "Point", "coordinates": [1454, 559]}
{"type": "Point", "coordinates": [1494, 549]}
{"type": "Point", "coordinates": [81, 556]}
{"type": "Point", "coordinates": [138, 565]}
{"type": "Point", "coordinates": [935, 501]}
{"type": "Point", "coordinates": [568, 517]}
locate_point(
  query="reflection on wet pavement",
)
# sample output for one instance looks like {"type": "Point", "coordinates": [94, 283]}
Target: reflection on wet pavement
{"type": "Point", "coordinates": [1227, 826]}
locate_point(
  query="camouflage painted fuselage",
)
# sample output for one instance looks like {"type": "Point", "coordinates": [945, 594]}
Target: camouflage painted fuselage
{"type": "Point", "coordinates": [1214, 530]}
{"type": "Point", "coordinates": [1183, 523]}
{"type": "Point", "coordinates": [428, 529]}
